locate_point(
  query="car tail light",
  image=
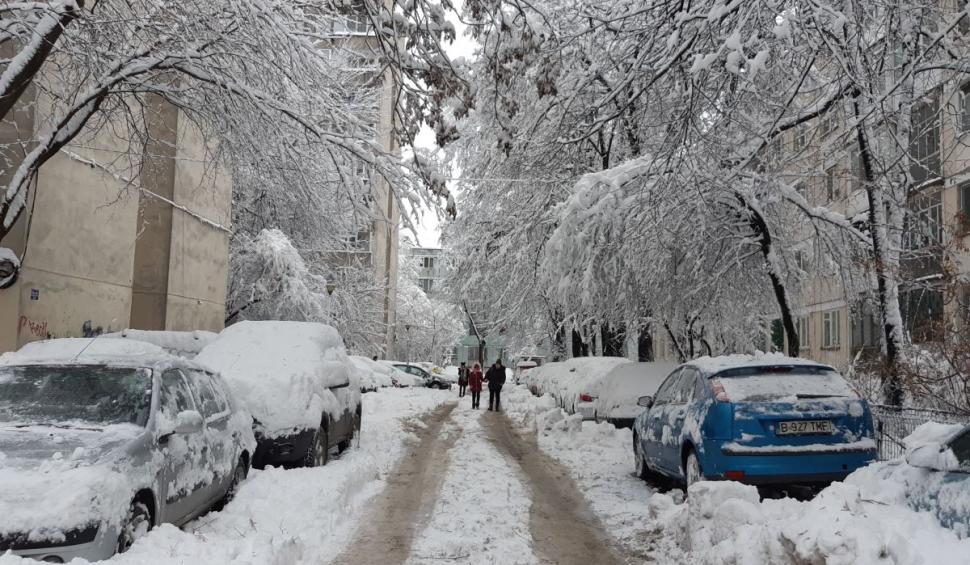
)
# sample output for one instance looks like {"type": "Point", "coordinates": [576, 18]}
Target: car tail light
{"type": "Point", "coordinates": [585, 397]}
{"type": "Point", "coordinates": [734, 475]}
{"type": "Point", "coordinates": [720, 394]}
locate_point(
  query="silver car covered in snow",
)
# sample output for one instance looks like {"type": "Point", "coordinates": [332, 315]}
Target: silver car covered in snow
{"type": "Point", "coordinates": [102, 439]}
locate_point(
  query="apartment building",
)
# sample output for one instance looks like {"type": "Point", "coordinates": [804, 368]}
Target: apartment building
{"type": "Point", "coordinates": [837, 325]}
{"type": "Point", "coordinates": [430, 267]}
{"type": "Point", "coordinates": [100, 253]}
{"type": "Point", "coordinates": [373, 240]}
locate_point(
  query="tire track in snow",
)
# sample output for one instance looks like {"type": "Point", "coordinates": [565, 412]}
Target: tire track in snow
{"type": "Point", "coordinates": [482, 513]}
{"type": "Point", "coordinates": [564, 528]}
{"type": "Point", "coordinates": [387, 531]}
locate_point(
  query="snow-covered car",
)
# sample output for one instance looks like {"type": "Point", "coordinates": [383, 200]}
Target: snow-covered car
{"type": "Point", "coordinates": [373, 375]}
{"type": "Point", "coordinates": [401, 378]}
{"type": "Point", "coordinates": [184, 344]}
{"type": "Point", "coordinates": [103, 439]}
{"type": "Point", "coordinates": [935, 475]}
{"type": "Point", "coordinates": [538, 380]}
{"type": "Point", "coordinates": [758, 419]}
{"type": "Point", "coordinates": [522, 368]}
{"type": "Point", "coordinates": [576, 385]}
{"type": "Point", "coordinates": [298, 383]}
{"type": "Point", "coordinates": [620, 389]}
{"type": "Point", "coordinates": [414, 370]}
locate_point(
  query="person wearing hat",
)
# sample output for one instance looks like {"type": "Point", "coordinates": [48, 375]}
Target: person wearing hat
{"type": "Point", "coordinates": [462, 379]}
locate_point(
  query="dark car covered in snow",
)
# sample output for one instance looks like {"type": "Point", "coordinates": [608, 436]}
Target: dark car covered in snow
{"type": "Point", "coordinates": [102, 439]}
{"type": "Point", "coordinates": [297, 381]}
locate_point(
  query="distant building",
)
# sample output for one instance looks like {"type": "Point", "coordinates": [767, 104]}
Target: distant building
{"type": "Point", "coordinates": [429, 262]}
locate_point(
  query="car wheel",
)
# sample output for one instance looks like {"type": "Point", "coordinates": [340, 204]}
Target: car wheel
{"type": "Point", "coordinates": [641, 465]}
{"type": "Point", "coordinates": [238, 476]}
{"type": "Point", "coordinates": [319, 451]}
{"type": "Point", "coordinates": [345, 444]}
{"type": "Point", "coordinates": [136, 524]}
{"type": "Point", "coordinates": [692, 469]}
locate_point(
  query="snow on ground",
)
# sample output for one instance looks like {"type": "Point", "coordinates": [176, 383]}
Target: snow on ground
{"type": "Point", "coordinates": [292, 517]}
{"type": "Point", "coordinates": [599, 458]}
{"type": "Point", "coordinates": [862, 521]}
{"type": "Point", "coordinates": [482, 513]}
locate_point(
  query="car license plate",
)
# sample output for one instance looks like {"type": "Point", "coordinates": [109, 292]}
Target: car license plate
{"type": "Point", "coordinates": [804, 427]}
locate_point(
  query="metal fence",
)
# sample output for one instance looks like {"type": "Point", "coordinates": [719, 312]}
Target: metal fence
{"type": "Point", "coordinates": [893, 424]}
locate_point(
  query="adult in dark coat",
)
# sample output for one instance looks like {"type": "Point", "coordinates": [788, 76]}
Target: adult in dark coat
{"type": "Point", "coordinates": [496, 380]}
{"type": "Point", "coordinates": [462, 379]}
{"type": "Point", "coordinates": [475, 385]}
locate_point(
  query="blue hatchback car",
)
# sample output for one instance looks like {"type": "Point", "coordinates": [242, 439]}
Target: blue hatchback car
{"type": "Point", "coordinates": [762, 419]}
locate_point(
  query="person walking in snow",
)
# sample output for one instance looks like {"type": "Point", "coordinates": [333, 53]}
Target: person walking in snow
{"type": "Point", "coordinates": [475, 385]}
{"type": "Point", "coordinates": [496, 379]}
{"type": "Point", "coordinates": [462, 379]}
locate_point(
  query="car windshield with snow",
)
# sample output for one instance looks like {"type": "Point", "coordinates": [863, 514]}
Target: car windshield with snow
{"type": "Point", "coordinates": [762, 419]}
{"type": "Point", "coordinates": [100, 440]}
{"type": "Point", "coordinates": [304, 396]}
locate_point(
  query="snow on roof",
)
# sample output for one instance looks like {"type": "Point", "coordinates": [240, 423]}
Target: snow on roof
{"type": "Point", "coordinates": [281, 371]}
{"type": "Point", "coordinates": [87, 351]}
{"type": "Point", "coordinates": [186, 344]}
{"type": "Point", "coordinates": [711, 365]}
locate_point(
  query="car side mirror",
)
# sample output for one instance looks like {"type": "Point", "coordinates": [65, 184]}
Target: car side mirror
{"type": "Point", "coordinates": [645, 401]}
{"type": "Point", "coordinates": [933, 456]}
{"type": "Point", "coordinates": [188, 422]}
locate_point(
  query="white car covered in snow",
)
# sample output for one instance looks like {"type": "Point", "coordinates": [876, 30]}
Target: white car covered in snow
{"type": "Point", "coordinates": [575, 385]}
{"type": "Point", "coordinates": [102, 439]}
{"type": "Point", "coordinates": [373, 375]}
{"type": "Point", "coordinates": [618, 391]}
{"type": "Point", "coordinates": [299, 384]}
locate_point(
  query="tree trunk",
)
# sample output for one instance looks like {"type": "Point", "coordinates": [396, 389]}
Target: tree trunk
{"type": "Point", "coordinates": [27, 63]}
{"type": "Point", "coordinates": [887, 291]}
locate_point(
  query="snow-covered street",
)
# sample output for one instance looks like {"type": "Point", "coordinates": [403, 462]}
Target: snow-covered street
{"type": "Point", "coordinates": [435, 481]}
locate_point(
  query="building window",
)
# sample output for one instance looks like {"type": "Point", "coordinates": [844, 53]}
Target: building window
{"type": "Point", "coordinates": [800, 139]}
{"type": "Point", "coordinates": [965, 201]}
{"type": "Point", "coordinates": [425, 285]}
{"type": "Point", "coordinates": [831, 329]}
{"type": "Point", "coordinates": [865, 328]}
{"type": "Point", "coordinates": [354, 20]}
{"type": "Point", "coordinates": [427, 262]}
{"type": "Point", "coordinates": [922, 310]}
{"type": "Point", "coordinates": [803, 335]}
{"type": "Point", "coordinates": [963, 107]}
{"type": "Point", "coordinates": [831, 184]}
{"type": "Point", "coordinates": [924, 142]}
{"type": "Point", "coordinates": [827, 123]}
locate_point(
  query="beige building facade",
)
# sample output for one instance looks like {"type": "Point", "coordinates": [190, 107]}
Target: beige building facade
{"type": "Point", "coordinates": [101, 253]}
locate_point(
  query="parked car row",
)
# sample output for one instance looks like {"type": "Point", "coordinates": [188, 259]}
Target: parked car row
{"type": "Point", "coordinates": [102, 439]}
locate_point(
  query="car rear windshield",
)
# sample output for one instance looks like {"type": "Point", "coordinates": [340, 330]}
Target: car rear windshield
{"type": "Point", "coordinates": [783, 384]}
{"type": "Point", "coordinates": [74, 396]}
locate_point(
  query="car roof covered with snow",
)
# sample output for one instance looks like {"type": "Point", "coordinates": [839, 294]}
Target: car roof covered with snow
{"type": "Point", "coordinates": [186, 344]}
{"type": "Point", "coordinates": [90, 351]}
{"type": "Point", "coordinates": [711, 365]}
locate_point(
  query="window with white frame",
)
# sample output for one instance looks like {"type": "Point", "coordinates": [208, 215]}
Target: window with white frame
{"type": "Point", "coordinates": [963, 108]}
{"type": "Point", "coordinates": [831, 329]}
{"type": "Point", "coordinates": [831, 184]}
{"type": "Point", "coordinates": [803, 336]}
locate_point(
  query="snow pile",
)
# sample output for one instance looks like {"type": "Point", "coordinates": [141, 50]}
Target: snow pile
{"type": "Point", "coordinates": [847, 523]}
{"type": "Point", "coordinates": [282, 371]}
{"type": "Point", "coordinates": [183, 344]}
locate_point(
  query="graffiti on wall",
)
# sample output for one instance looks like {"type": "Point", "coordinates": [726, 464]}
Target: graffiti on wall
{"type": "Point", "coordinates": [34, 328]}
{"type": "Point", "coordinates": [88, 331]}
